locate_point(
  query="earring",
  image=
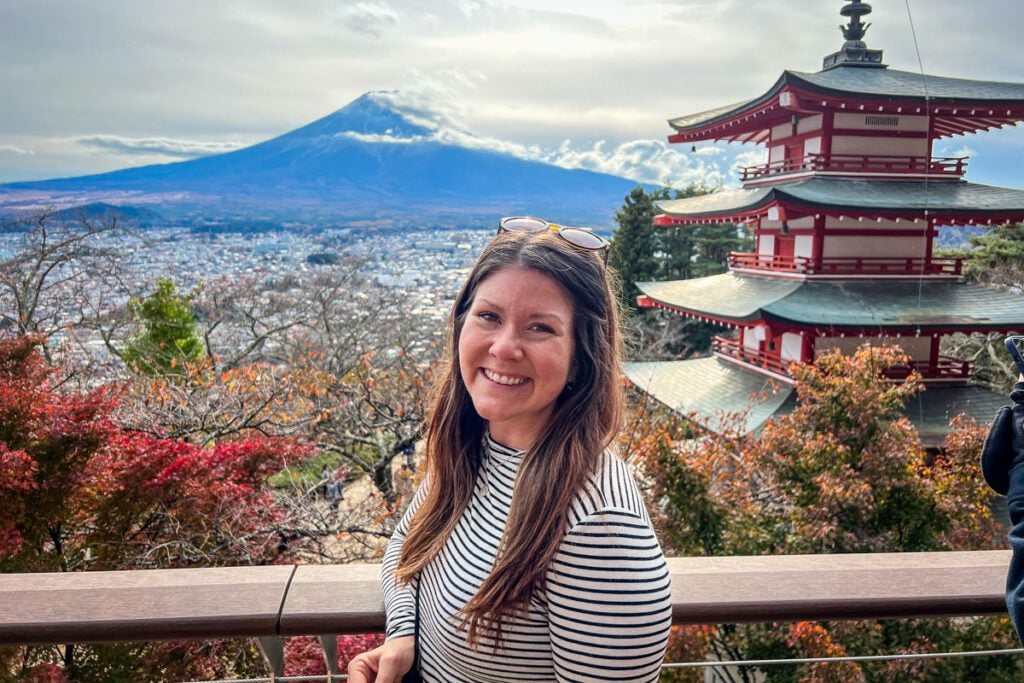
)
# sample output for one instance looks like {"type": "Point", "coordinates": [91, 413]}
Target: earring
{"type": "Point", "coordinates": [569, 388]}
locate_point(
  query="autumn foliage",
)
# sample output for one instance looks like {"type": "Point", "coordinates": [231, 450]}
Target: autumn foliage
{"type": "Point", "coordinates": [843, 472]}
{"type": "Point", "coordinates": [81, 492]}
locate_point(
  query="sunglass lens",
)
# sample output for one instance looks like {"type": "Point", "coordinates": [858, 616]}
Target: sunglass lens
{"type": "Point", "coordinates": [583, 239]}
{"type": "Point", "coordinates": [523, 224]}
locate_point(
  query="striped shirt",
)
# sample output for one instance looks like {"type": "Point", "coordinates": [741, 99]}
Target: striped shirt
{"type": "Point", "coordinates": [604, 612]}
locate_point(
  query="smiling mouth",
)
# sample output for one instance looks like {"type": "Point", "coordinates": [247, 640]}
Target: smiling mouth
{"type": "Point", "coordinates": [504, 380]}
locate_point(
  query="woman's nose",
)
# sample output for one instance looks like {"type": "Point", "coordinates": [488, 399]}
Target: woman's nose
{"type": "Point", "coordinates": [506, 344]}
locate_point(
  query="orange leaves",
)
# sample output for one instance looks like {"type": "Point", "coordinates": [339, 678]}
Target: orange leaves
{"type": "Point", "coordinates": [811, 639]}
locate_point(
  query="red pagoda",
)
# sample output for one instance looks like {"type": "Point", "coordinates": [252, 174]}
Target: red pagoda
{"type": "Point", "coordinates": [844, 216]}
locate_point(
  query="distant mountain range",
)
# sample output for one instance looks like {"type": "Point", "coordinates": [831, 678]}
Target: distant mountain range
{"type": "Point", "coordinates": [366, 161]}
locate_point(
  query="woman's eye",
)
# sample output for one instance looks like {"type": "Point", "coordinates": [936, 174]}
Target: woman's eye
{"type": "Point", "coordinates": [541, 328]}
{"type": "Point", "coordinates": [487, 316]}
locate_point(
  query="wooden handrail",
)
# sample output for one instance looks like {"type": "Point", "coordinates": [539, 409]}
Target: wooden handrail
{"type": "Point", "coordinates": [316, 599]}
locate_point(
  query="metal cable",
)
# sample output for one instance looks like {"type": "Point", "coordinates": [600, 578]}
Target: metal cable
{"type": "Point", "coordinates": [860, 658]}
{"type": "Point", "coordinates": [713, 664]}
{"type": "Point", "coordinates": [927, 172]}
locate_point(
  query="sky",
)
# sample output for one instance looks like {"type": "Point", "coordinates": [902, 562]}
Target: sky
{"type": "Point", "coordinates": [96, 85]}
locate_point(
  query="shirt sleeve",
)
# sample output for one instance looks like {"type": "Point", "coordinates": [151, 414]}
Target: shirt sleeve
{"type": "Point", "coordinates": [399, 599]}
{"type": "Point", "coordinates": [609, 600]}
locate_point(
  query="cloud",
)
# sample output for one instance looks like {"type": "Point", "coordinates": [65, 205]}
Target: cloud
{"type": "Point", "coordinates": [648, 161]}
{"type": "Point", "coordinates": [370, 17]}
{"type": "Point", "coordinates": [382, 138]}
{"type": "Point", "coordinates": [14, 149]}
{"type": "Point", "coordinates": [182, 149]}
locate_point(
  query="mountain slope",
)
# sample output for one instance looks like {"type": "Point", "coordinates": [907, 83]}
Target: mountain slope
{"type": "Point", "coordinates": [368, 158]}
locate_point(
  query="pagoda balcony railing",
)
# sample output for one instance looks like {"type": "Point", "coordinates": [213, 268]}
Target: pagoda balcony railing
{"type": "Point", "coordinates": [945, 368]}
{"type": "Point", "coordinates": [275, 601]}
{"type": "Point", "coordinates": [852, 265]}
{"type": "Point", "coordinates": [951, 167]}
{"type": "Point", "coordinates": [732, 348]}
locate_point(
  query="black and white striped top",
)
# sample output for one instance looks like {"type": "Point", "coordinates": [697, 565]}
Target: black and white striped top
{"type": "Point", "coordinates": [605, 611]}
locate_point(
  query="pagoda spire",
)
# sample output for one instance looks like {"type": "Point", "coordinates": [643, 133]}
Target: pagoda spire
{"type": "Point", "coordinates": [854, 51]}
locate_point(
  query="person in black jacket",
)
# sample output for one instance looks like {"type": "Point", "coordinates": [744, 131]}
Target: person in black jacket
{"type": "Point", "coordinates": [1002, 463]}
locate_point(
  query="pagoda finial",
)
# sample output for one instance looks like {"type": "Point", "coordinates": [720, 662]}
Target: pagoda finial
{"type": "Point", "coordinates": [854, 52]}
{"type": "Point", "coordinates": [855, 30]}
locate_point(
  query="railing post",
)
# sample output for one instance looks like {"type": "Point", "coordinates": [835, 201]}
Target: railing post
{"type": "Point", "coordinates": [329, 646]}
{"type": "Point", "coordinates": [272, 648]}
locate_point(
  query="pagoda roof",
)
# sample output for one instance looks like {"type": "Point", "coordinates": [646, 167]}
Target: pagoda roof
{"type": "Point", "coordinates": [943, 199]}
{"type": "Point", "coordinates": [979, 104]}
{"type": "Point", "coordinates": [731, 298]}
{"type": "Point", "coordinates": [709, 388]}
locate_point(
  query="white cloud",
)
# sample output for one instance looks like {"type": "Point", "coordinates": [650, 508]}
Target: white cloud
{"type": "Point", "coordinates": [14, 149]}
{"type": "Point", "coordinates": [370, 17]}
{"type": "Point", "coordinates": [381, 138]}
{"type": "Point", "coordinates": [182, 149]}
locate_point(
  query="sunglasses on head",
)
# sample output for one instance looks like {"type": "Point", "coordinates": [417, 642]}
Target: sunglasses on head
{"type": "Point", "coordinates": [581, 238]}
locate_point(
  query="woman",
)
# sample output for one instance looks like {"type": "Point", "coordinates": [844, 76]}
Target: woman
{"type": "Point", "coordinates": [527, 554]}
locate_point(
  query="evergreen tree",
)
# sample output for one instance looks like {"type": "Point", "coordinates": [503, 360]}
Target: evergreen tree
{"type": "Point", "coordinates": [997, 258]}
{"type": "Point", "coordinates": [169, 337]}
{"type": "Point", "coordinates": [633, 246]}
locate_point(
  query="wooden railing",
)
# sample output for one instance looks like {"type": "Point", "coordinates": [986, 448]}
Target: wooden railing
{"type": "Point", "coordinates": [868, 265]}
{"type": "Point", "coordinates": [326, 599]}
{"type": "Point", "coordinates": [945, 368]}
{"type": "Point", "coordinates": [859, 164]}
{"type": "Point", "coordinates": [734, 349]}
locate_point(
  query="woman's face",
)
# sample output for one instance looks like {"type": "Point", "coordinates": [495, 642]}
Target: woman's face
{"type": "Point", "coordinates": [516, 352]}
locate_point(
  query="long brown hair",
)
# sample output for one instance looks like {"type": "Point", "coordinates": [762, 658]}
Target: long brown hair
{"type": "Point", "coordinates": [584, 421]}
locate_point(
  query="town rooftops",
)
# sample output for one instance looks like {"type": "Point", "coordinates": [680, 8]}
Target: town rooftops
{"type": "Point", "coordinates": [945, 200]}
{"type": "Point", "coordinates": [853, 306]}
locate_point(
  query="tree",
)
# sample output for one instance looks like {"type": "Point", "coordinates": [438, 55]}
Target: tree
{"type": "Point", "coordinates": [169, 337]}
{"type": "Point", "coordinates": [640, 251]}
{"type": "Point", "coordinates": [632, 252]}
{"type": "Point", "coordinates": [844, 472]}
{"type": "Point", "coordinates": [79, 492]}
{"type": "Point", "coordinates": [996, 260]}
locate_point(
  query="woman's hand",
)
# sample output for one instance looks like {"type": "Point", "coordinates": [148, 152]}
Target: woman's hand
{"type": "Point", "coordinates": [385, 664]}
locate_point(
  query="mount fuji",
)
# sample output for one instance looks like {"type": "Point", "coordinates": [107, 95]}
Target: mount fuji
{"type": "Point", "coordinates": [370, 160]}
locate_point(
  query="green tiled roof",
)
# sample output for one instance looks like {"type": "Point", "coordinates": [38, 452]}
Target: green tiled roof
{"type": "Point", "coordinates": [943, 197]}
{"type": "Point", "coordinates": [880, 83]}
{"type": "Point", "coordinates": [858, 304]}
{"type": "Point", "coordinates": [708, 388]}
{"type": "Point", "coordinates": [900, 304]}
{"type": "Point", "coordinates": [734, 297]}
{"type": "Point", "coordinates": [932, 409]}
{"type": "Point", "coordinates": [891, 83]}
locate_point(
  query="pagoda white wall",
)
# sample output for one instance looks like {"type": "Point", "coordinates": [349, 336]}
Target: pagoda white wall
{"type": "Point", "coordinates": [879, 146]}
{"type": "Point", "coordinates": [803, 245]}
{"type": "Point", "coordinates": [749, 339]}
{"type": "Point", "coordinates": [880, 245]}
{"type": "Point", "coordinates": [862, 121]}
{"type": "Point", "coordinates": [784, 132]}
{"type": "Point", "coordinates": [766, 245]}
{"type": "Point", "coordinates": [873, 247]}
{"type": "Point", "coordinates": [918, 348]}
{"type": "Point", "coordinates": [806, 125]}
{"type": "Point", "coordinates": [791, 345]}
